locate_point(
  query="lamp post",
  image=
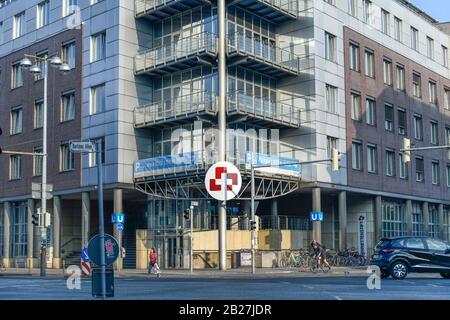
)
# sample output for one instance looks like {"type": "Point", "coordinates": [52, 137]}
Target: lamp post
{"type": "Point", "coordinates": [35, 68]}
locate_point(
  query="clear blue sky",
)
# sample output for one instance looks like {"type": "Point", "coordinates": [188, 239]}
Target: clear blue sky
{"type": "Point", "coordinates": [438, 9]}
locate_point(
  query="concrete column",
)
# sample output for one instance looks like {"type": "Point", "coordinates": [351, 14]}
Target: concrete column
{"type": "Point", "coordinates": [31, 209]}
{"type": "Point", "coordinates": [85, 218]}
{"type": "Point", "coordinates": [57, 211]}
{"type": "Point", "coordinates": [316, 206]}
{"type": "Point", "coordinates": [441, 234]}
{"type": "Point", "coordinates": [6, 233]}
{"type": "Point", "coordinates": [342, 203]}
{"type": "Point", "coordinates": [274, 214]}
{"type": "Point", "coordinates": [378, 219]}
{"type": "Point", "coordinates": [408, 218]}
{"type": "Point", "coordinates": [426, 219]}
{"type": "Point", "coordinates": [118, 208]}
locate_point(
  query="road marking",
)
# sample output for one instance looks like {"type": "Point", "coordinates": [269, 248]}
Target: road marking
{"type": "Point", "coordinates": [309, 287]}
{"type": "Point", "coordinates": [434, 285]}
{"type": "Point", "coordinates": [338, 298]}
{"type": "Point", "coordinates": [285, 282]}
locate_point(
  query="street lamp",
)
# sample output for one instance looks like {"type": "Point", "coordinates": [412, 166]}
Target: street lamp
{"type": "Point", "coordinates": [35, 68]}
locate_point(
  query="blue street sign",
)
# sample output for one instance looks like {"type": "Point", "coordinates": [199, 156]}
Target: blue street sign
{"type": "Point", "coordinates": [120, 227]}
{"type": "Point", "coordinates": [118, 218]}
{"type": "Point", "coordinates": [84, 255]}
{"type": "Point", "coordinates": [316, 216]}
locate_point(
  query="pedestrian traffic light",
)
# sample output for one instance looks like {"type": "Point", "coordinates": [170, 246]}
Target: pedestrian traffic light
{"type": "Point", "coordinates": [335, 159]}
{"type": "Point", "coordinates": [406, 150]}
{"type": "Point", "coordinates": [252, 225]}
{"type": "Point", "coordinates": [186, 214]}
{"type": "Point", "coordinates": [35, 219]}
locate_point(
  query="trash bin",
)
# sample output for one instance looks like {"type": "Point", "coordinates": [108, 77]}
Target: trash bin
{"type": "Point", "coordinates": [236, 262]}
{"type": "Point", "coordinates": [97, 282]}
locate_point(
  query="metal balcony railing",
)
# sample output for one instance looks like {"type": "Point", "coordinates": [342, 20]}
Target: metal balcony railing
{"type": "Point", "coordinates": [175, 109]}
{"type": "Point", "coordinates": [161, 8]}
{"type": "Point", "coordinates": [264, 109]}
{"type": "Point", "coordinates": [275, 10]}
{"type": "Point", "coordinates": [263, 53]}
{"type": "Point", "coordinates": [179, 51]}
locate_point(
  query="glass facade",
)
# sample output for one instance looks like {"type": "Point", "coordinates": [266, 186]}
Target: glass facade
{"type": "Point", "coordinates": [433, 223]}
{"type": "Point", "coordinates": [19, 229]}
{"type": "Point", "coordinates": [417, 219]}
{"type": "Point", "coordinates": [393, 219]}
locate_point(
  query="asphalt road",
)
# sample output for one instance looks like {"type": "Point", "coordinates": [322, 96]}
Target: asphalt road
{"type": "Point", "coordinates": [322, 287]}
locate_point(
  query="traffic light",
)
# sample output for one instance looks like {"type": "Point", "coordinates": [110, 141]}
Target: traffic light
{"type": "Point", "coordinates": [335, 159]}
{"type": "Point", "coordinates": [186, 214]}
{"type": "Point", "coordinates": [406, 151]}
{"type": "Point", "coordinates": [35, 219]}
{"type": "Point", "coordinates": [252, 225]}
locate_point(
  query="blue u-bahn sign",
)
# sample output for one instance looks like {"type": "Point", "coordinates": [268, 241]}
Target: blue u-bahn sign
{"type": "Point", "coordinates": [316, 216]}
{"type": "Point", "coordinates": [118, 218]}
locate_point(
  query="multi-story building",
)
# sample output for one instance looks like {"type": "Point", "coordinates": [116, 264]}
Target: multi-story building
{"type": "Point", "coordinates": [302, 77]}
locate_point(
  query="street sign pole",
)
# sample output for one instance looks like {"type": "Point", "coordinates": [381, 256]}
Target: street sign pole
{"type": "Point", "coordinates": [101, 222]}
{"type": "Point", "coordinates": [191, 235]}
{"type": "Point", "coordinates": [252, 217]}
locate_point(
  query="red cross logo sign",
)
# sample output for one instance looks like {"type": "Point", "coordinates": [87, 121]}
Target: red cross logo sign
{"type": "Point", "coordinates": [223, 181]}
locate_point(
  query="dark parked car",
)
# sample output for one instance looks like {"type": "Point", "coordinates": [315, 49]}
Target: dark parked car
{"type": "Point", "coordinates": [398, 256]}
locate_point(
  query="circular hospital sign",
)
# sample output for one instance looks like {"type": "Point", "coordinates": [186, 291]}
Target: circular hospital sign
{"type": "Point", "coordinates": [223, 181]}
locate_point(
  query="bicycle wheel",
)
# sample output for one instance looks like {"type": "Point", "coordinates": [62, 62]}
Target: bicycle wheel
{"type": "Point", "coordinates": [324, 267]}
{"type": "Point", "coordinates": [313, 266]}
{"type": "Point", "coordinates": [361, 260]}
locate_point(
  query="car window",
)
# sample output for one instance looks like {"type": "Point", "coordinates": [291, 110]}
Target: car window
{"type": "Point", "coordinates": [398, 243]}
{"type": "Point", "coordinates": [434, 244]}
{"type": "Point", "coordinates": [415, 243]}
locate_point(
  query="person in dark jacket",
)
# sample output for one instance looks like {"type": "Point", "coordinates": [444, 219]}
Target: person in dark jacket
{"type": "Point", "coordinates": [319, 253]}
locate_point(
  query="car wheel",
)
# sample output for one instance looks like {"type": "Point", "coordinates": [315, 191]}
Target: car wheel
{"type": "Point", "coordinates": [384, 274]}
{"type": "Point", "coordinates": [445, 275]}
{"type": "Point", "coordinates": [399, 270]}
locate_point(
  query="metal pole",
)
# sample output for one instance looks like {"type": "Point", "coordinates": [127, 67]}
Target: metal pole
{"type": "Point", "coordinates": [221, 10]}
{"type": "Point", "coordinates": [252, 217]}
{"type": "Point", "coordinates": [191, 253]}
{"type": "Point", "coordinates": [101, 222]}
{"type": "Point", "coordinates": [44, 176]}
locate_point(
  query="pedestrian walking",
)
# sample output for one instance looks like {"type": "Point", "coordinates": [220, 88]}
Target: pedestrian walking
{"type": "Point", "coordinates": [153, 263]}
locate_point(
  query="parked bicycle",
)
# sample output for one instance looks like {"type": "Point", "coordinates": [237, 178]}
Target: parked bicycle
{"type": "Point", "coordinates": [2, 267]}
{"type": "Point", "coordinates": [294, 259]}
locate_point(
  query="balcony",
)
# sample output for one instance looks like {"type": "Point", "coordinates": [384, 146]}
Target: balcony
{"type": "Point", "coordinates": [252, 53]}
{"type": "Point", "coordinates": [273, 10]}
{"type": "Point", "coordinates": [178, 110]}
{"type": "Point", "coordinates": [262, 111]}
{"type": "Point", "coordinates": [182, 54]}
{"type": "Point", "coordinates": [160, 9]}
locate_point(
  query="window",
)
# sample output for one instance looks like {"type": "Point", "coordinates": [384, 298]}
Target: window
{"type": "Point", "coordinates": [402, 166]}
{"type": "Point", "coordinates": [402, 126]}
{"type": "Point", "coordinates": [435, 172]}
{"type": "Point", "coordinates": [331, 98]}
{"type": "Point", "coordinates": [69, 7]}
{"type": "Point", "coordinates": [67, 158]}
{"type": "Point", "coordinates": [330, 47]}
{"type": "Point", "coordinates": [388, 117]}
{"type": "Point", "coordinates": [42, 64]}
{"type": "Point", "coordinates": [372, 158]}
{"type": "Point", "coordinates": [418, 127]}
{"type": "Point", "coordinates": [434, 132]}
{"type": "Point", "coordinates": [68, 54]}
{"type": "Point", "coordinates": [369, 63]}
{"type": "Point", "coordinates": [444, 56]}
{"type": "Point", "coordinates": [393, 219]}
{"type": "Point", "coordinates": [414, 39]}
{"type": "Point", "coordinates": [17, 76]}
{"type": "Point", "coordinates": [415, 244]}
{"type": "Point", "coordinates": [447, 139]}
{"type": "Point", "coordinates": [371, 114]}
{"type": "Point", "coordinates": [385, 21]}
{"type": "Point", "coordinates": [356, 155]}
{"type": "Point", "coordinates": [447, 98]}
{"type": "Point", "coordinates": [367, 10]}
{"type": "Point", "coordinates": [390, 163]}
{"type": "Point", "coordinates": [37, 162]}
{"type": "Point", "coordinates": [419, 169]}
{"type": "Point", "coordinates": [354, 57]}
{"type": "Point", "coordinates": [448, 175]}
{"type": "Point", "coordinates": [42, 14]}
{"type": "Point", "coordinates": [98, 46]}
{"type": "Point", "coordinates": [353, 8]}
{"type": "Point", "coordinates": [98, 99]}
{"type": "Point", "coordinates": [68, 106]}
{"type": "Point", "coordinates": [433, 222]}
{"type": "Point", "coordinates": [430, 48]}
{"type": "Point", "coordinates": [19, 25]}
{"type": "Point", "coordinates": [332, 143]}
{"type": "Point", "coordinates": [93, 156]}
{"type": "Point", "coordinates": [1, 33]}
{"type": "Point", "coordinates": [400, 77]}
{"type": "Point", "coordinates": [356, 106]}
{"type": "Point", "coordinates": [432, 92]}
{"type": "Point", "coordinates": [387, 71]}
{"type": "Point", "coordinates": [446, 223]}
{"type": "Point", "coordinates": [434, 244]}
{"type": "Point", "coordinates": [16, 120]}
{"type": "Point", "coordinates": [38, 114]}
{"type": "Point", "coordinates": [95, 1]}
{"type": "Point", "coordinates": [398, 29]}
{"type": "Point", "coordinates": [19, 229]}
{"type": "Point", "coordinates": [417, 221]}
{"type": "Point", "coordinates": [15, 164]}
{"type": "Point", "coordinates": [417, 85]}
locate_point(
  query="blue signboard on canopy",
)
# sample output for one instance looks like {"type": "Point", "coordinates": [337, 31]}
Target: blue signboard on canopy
{"type": "Point", "coordinates": [166, 164]}
{"type": "Point", "coordinates": [273, 164]}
